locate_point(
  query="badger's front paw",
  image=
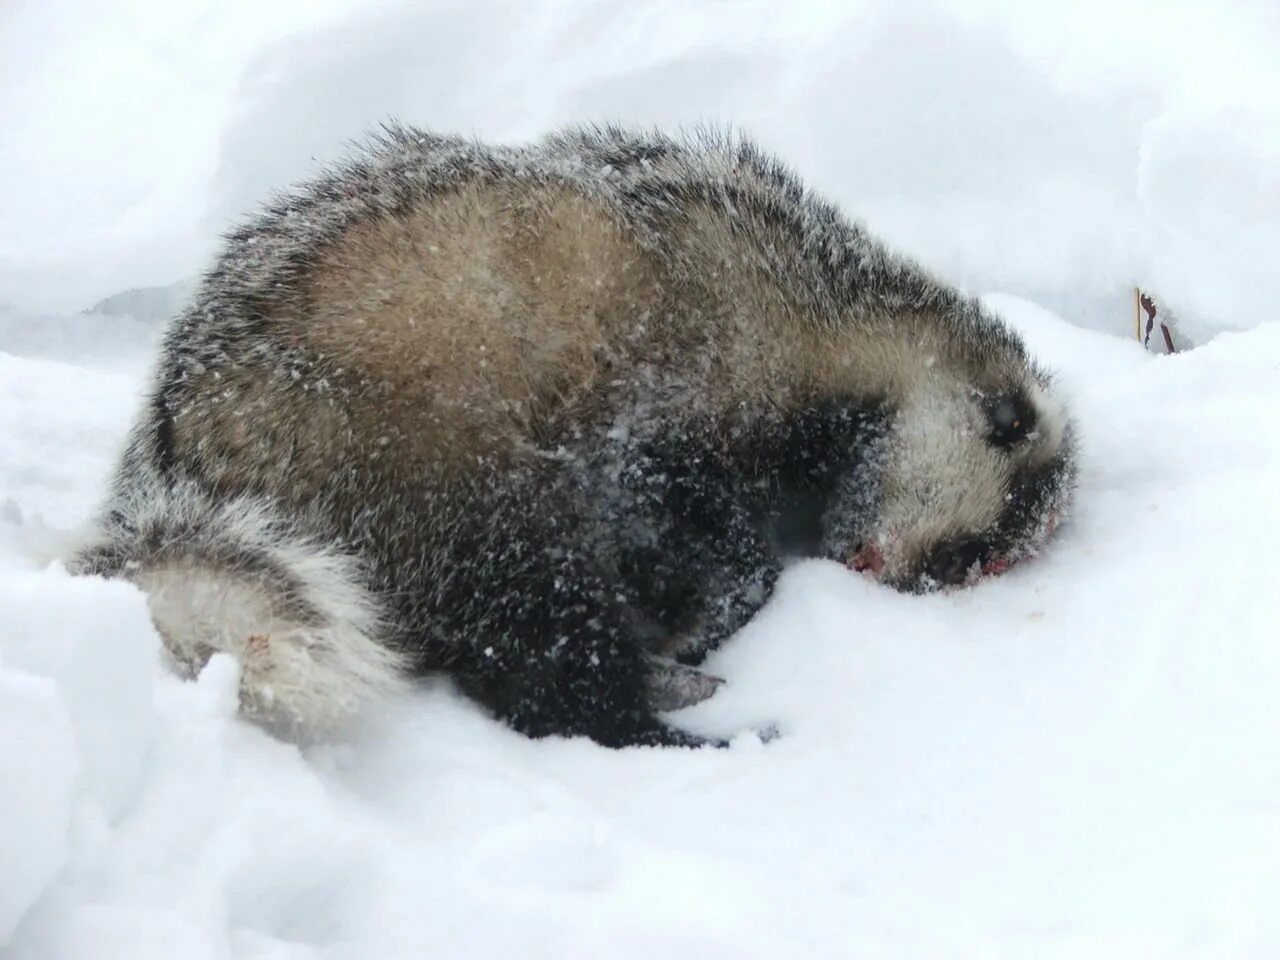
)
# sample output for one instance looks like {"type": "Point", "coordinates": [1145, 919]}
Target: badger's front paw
{"type": "Point", "coordinates": [672, 685]}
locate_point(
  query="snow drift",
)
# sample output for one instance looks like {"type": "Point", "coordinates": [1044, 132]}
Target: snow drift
{"type": "Point", "coordinates": [1069, 760]}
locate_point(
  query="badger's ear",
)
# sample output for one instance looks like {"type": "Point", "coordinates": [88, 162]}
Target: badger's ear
{"type": "Point", "coordinates": [1011, 418]}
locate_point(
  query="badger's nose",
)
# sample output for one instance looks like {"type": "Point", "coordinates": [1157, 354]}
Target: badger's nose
{"type": "Point", "coordinates": [949, 562]}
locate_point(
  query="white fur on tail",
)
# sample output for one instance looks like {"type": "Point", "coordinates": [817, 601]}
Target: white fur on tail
{"type": "Point", "coordinates": [233, 578]}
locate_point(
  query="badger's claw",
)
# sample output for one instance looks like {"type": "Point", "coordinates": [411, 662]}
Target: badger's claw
{"type": "Point", "coordinates": [673, 686]}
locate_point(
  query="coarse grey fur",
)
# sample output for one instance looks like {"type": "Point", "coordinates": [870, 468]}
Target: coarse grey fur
{"type": "Point", "coordinates": [544, 416]}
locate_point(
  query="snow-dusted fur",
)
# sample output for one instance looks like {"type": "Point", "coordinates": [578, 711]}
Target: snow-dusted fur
{"type": "Point", "coordinates": [557, 412]}
{"type": "Point", "coordinates": [229, 576]}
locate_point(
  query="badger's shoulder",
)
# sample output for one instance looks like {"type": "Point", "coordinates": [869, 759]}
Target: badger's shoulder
{"type": "Point", "coordinates": [725, 214]}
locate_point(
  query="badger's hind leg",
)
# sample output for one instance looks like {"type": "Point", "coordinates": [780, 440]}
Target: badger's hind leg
{"type": "Point", "coordinates": [233, 577]}
{"type": "Point", "coordinates": [306, 661]}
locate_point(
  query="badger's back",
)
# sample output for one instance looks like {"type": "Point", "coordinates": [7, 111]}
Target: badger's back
{"type": "Point", "coordinates": [440, 302]}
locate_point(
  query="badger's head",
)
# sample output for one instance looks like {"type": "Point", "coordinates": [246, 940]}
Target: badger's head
{"type": "Point", "coordinates": [970, 476]}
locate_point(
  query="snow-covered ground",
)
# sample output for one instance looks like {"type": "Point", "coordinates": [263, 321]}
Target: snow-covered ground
{"type": "Point", "coordinates": [1073, 760]}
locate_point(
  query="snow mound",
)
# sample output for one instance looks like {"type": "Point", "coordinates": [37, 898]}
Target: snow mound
{"type": "Point", "coordinates": [1069, 760]}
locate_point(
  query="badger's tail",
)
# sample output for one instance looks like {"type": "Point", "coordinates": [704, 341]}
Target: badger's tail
{"type": "Point", "coordinates": [235, 577]}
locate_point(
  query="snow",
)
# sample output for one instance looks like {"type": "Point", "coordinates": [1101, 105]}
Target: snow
{"type": "Point", "coordinates": [1072, 760]}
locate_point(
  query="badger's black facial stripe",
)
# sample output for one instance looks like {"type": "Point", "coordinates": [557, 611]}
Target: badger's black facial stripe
{"type": "Point", "coordinates": [1032, 492]}
{"type": "Point", "coordinates": [817, 451]}
{"type": "Point", "coordinates": [1012, 418]}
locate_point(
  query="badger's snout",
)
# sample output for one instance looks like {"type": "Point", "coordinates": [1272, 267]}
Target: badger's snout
{"type": "Point", "coordinates": [950, 563]}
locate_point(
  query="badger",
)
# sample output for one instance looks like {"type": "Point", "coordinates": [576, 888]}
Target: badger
{"type": "Point", "coordinates": [549, 420]}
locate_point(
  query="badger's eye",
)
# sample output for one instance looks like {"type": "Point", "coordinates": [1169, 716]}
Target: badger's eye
{"type": "Point", "coordinates": [1012, 419]}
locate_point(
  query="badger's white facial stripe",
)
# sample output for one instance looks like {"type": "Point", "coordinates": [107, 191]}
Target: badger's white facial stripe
{"type": "Point", "coordinates": [942, 479]}
{"type": "Point", "coordinates": [1051, 423]}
